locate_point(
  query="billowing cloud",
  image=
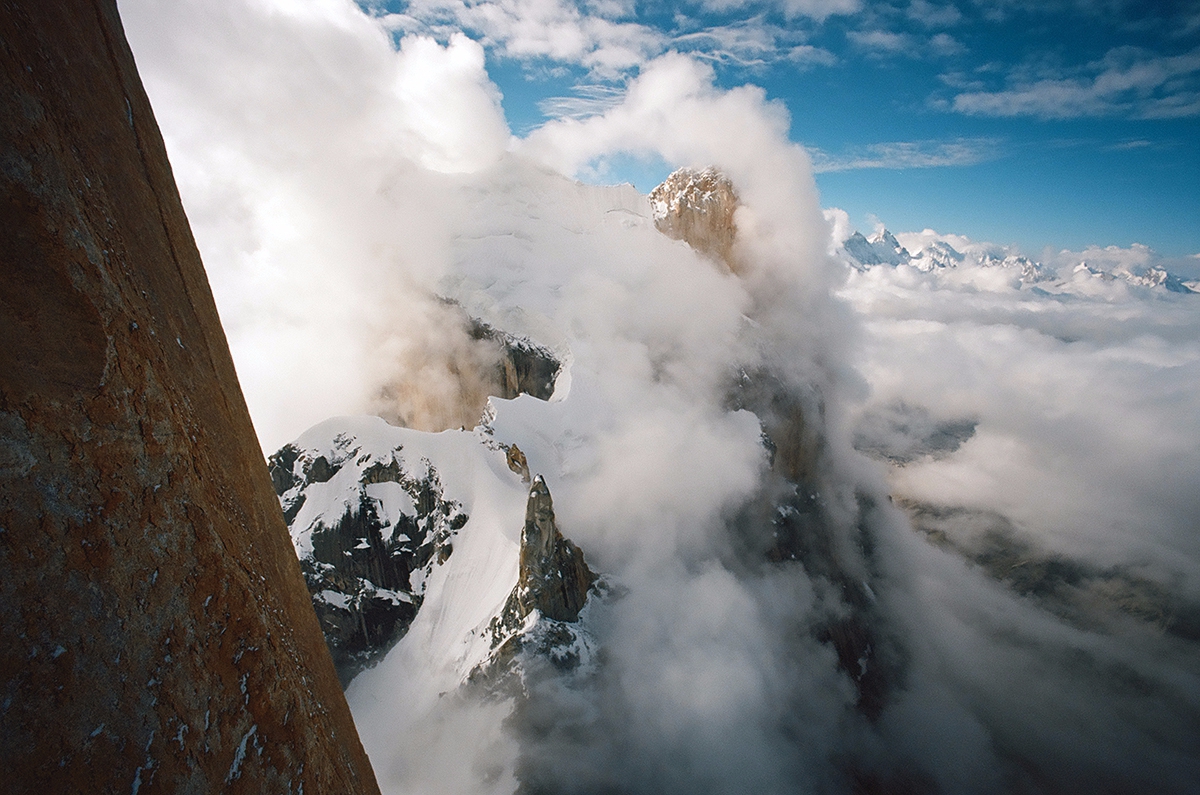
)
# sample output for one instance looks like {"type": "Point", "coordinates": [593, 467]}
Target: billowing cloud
{"type": "Point", "coordinates": [1036, 576]}
{"type": "Point", "coordinates": [609, 39]}
{"type": "Point", "coordinates": [311, 156]}
{"type": "Point", "coordinates": [598, 37]}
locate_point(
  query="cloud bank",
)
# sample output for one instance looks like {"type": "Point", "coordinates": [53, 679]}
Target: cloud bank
{"type": "Point", "coordinates": [338, 180]}
{"type": "Point", "coordinates": [314, 159]}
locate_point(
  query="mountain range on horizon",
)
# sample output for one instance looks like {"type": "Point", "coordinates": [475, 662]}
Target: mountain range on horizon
{"type": "Point", "coordinates": [934, 252]}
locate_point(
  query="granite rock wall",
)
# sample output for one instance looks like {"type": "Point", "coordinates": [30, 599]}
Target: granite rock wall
{"type": "Point", "coordinates": [156, 634]}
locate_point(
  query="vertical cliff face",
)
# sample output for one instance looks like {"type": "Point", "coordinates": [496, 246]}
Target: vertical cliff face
{"type": "Point", "coordinates": [522, 368]}
{"type": "Point", "coordinates": [155, 632]}
{"type": "Point", "coordinates": [542, 613]}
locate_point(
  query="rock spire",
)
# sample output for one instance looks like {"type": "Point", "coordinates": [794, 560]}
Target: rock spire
{"type": "Point", "coordinates": [553, 577]}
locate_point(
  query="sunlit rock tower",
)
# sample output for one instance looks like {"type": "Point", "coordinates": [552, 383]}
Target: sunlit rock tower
{"type": "Point", "coordinates": [786, 523]}
{"type": "Point", "coordinates": [698, 208]}
{"type": "Point", "coordinates": [155, 632]}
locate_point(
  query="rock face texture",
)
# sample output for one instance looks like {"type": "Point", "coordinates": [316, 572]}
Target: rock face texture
{"type": "Point", "coordinates": [698, 207]}
{"type": "Point", "coordinates": [156, 634]}
{"type": "Point", "coordinates": [522, 367]}
{"type": "Point", "coordinates": [553, 584]}
{"type": "Point", "coordinates": [553, 578]}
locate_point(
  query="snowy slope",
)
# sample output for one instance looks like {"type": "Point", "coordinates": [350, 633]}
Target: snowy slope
{"type": "Point", "coordinates": [401, 504]}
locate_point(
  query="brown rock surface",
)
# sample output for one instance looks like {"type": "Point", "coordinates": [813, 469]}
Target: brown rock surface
{"type": "Point", "coordinates": [553, 577]}
{"type": "Point", "coordinates": [697, 207]}
{"type": "Point", "coordinates": [155, 632]}
{"type": "Point", "coordinates": [553, 580]}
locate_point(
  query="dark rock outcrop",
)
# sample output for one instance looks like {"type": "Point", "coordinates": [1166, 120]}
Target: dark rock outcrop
{"type": "Point", "coordinates": [901, 433]}
{"type": "Point", "coordinates": [517, 462]}
{"type": "Point", "coordinates": [553, 583]}
{"type": "Point", "coordinates": [522, 367]}
{"type": "Point", "coordinates": [155, 631]}
{"type": "Point", "coordinates": [786, 522]}
{"type": "Point", "coordinates": [1109, 599]}
{"type": "Point", "coordinates": [553, 578]}
{"type": "Point", "coordinates": [366, 573]}
{"type": "Point", "coordinates": [801, 531]}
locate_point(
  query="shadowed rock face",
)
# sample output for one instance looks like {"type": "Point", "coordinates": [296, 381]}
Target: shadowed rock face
{"type": "Point", "coordinates": [786, 522]}
{"type": "Point", "coordinates": [1112, 599]}
{"type": "Point", "coordinates": [522, 367]}
{"type": "Point", "coordinates": [365, 563]}
{"type": "Point", "coordinates": [553, 582]}
{"type": "Point", "coordinates": [156, 634]}
{"type": "Point", "coordinates": [553, 578]}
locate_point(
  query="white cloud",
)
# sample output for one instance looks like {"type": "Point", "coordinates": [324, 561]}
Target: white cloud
{"type": "Point", "coordinates": [674, 110]}
{"type": "Point", "coordinates": [1085, 426]}
{"type": "Point", "coordinates": [553, 29]}
{"type": "Point", "coordinates": [1127, 81]}
{"type": "Point", "coordinates": [330, 145]}
{"type": "Point", "coordinates": [587, 100]}
{"type": "Point", "coordinates": [945, 44]}
{"type": "Point", "coordinates": [918, 241]}
{"type": "Point", "coordinates": [886, 42]}
{"type": "Point", "coordinates": [807, 55]}
{"type": "Point", "coordinates": [933, 16]}
{"type": "Point", "coordinates": [751, 42]}
{"type": "Point", "coordinates": [606, 39]}
{"type": "Point", "coordinates": [612, 9]}
{"type": "Point", "coordinates": [819, 10]}
{"type": "Point", "coordinates": [335, 182]}
{"type": "Point", "coordinates": [909, 154]}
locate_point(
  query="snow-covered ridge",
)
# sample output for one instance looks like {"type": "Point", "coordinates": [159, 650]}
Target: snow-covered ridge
{"type": "Point", "coordinates": [389, 522]}
{"type": "Point", "coordinates": [379, 513]}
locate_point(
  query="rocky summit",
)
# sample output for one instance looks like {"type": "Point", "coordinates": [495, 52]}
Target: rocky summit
{"type": "Point", "coordinates": [377, 515]}
{"type": "Point", "coordinates": [698, 208]}
{"type": "Point", "coordinates": [553, 579]}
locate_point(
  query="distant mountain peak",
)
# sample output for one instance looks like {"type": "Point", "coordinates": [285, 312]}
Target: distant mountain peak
{"type": "Point", "coordinates": [936, 255]}
{"type": "Point", "coordinates": [881, 248]}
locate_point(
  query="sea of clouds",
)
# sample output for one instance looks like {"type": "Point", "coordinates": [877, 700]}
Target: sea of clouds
{"type": "Point", "coordinates": [330, 171]}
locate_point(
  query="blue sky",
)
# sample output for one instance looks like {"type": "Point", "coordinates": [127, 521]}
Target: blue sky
{"type": "Point", "coordinates": [1061, 124]}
